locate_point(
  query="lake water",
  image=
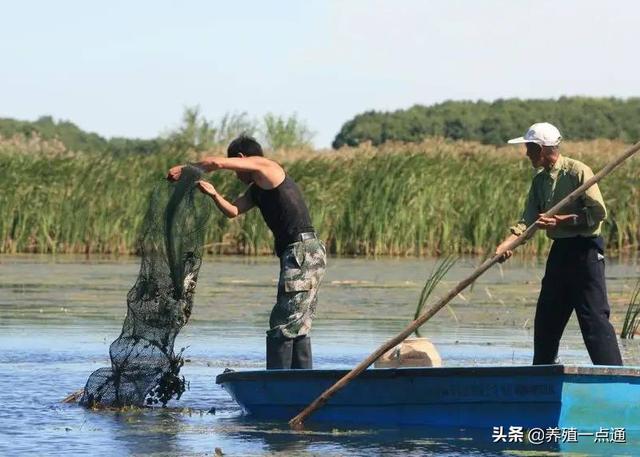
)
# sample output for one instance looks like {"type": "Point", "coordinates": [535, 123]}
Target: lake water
{"type": "Point", "coordinates": [58, 316]}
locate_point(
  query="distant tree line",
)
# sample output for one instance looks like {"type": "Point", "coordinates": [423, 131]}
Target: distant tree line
{"type": "Point", "coordinates": [275, 132]}
{"type": "Point", "coordinates": [73, 137]}
{"type": "Point", "coordinates": [194, 132]}
{"type": "Point", "coordinates": [578, 118]}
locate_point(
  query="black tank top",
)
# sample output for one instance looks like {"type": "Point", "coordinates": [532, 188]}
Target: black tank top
{"type": "Point", "coordinates": [284, 210]}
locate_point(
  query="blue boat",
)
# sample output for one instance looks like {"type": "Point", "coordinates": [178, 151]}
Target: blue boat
{"type": "Point", "coordinates": [543, 396]}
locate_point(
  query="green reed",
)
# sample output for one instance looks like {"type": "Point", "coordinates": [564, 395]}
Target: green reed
{"type": "Point", "coordinates": [439, 271]}
{"type": "Point", "coordinates": [434, 198]}
{"type": "Point", "coordinates": [632, 316]}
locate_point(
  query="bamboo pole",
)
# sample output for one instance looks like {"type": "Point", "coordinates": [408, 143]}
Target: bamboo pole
{"type": "Point", "coordinates": [298, 420]}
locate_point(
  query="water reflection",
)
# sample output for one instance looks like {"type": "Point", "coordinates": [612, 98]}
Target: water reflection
{"type": "Point", "coordinates": [59, 315]}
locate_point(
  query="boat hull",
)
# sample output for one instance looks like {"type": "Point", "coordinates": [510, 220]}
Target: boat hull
{"type": "Point", "coordinates": [528, 396]}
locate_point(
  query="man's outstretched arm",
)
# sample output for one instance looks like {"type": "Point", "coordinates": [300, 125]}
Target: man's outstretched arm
{"type": "Point", "coordinates": [267, 169]}
{"type": "Point", "coordinates": [253, 163]}
{"type": "Point", "coordinates": [241, 205]}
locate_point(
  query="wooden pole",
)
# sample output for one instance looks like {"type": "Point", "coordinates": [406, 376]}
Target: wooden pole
{"type": "Point", "coordinates": [298, 421]}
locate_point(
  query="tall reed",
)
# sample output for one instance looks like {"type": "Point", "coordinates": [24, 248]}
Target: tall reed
{"type": "Point", "coordinates": [438, 197]}
{"type": "Point", "coordinates": [439, 271]}
{"type": "Point", "coordinates": [632, 317]}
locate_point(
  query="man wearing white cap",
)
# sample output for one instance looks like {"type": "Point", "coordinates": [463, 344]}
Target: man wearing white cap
{"type": "Point", "coordinates": [574, 275]}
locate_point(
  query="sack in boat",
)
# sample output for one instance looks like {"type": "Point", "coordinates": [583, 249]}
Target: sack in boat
{"type": "Point", "coordinates": [412, 352]}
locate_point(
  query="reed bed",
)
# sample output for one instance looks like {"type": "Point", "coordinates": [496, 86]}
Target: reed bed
{"type": "Point", "coordinates": [437, 197]}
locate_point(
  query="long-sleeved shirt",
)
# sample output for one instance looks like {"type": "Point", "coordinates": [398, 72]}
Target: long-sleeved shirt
{"type": "Point", "coordinates": [550, 186]}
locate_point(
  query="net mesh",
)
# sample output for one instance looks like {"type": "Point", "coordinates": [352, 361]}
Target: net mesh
{"type": "Point", "coordinates": [144, 368]}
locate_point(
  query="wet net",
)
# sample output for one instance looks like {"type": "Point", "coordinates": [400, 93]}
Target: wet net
{"type": "Point", "coordinates": [144, 368]}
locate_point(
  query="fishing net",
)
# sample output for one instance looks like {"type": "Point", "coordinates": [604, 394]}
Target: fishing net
{"type": "Point", "coordinates": [144, 368]}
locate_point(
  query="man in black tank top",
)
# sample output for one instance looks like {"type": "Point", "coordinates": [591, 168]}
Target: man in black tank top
{"type": "Point", "coordinates": [302, 255]}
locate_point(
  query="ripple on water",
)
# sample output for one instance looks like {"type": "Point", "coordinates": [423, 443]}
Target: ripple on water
{"type": "Point", "coordinates": [57, 319]}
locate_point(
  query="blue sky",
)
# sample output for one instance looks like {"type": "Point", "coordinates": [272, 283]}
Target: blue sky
{"type": "Point", "coordinates": [129, 68]}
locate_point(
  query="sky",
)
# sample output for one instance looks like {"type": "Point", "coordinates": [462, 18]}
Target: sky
{"type": "Point", "coordinates": [129, 68]}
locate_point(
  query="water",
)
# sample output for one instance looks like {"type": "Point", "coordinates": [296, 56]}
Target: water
{"type": "Point", "coordinates": [58, 316]}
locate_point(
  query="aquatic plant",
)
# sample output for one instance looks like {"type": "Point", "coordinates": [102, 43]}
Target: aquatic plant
{"type": "Point", "coordinates": [439, 271]}
{"type": "Point", "coordinates": [632, 317]}
{"type": "Point", "coordinates": [434, 198]}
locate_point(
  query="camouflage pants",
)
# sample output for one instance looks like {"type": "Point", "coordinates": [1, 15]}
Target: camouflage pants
{"type": "Point", "coordinates": [302, 267]}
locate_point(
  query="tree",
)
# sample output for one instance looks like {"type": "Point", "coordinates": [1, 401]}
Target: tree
{"type": "Point", "coordinates": [281, 133]}
{"type": "Point", "coordinates": [196, 132]}
{"type": "Point", "coordinates": [493, 123]}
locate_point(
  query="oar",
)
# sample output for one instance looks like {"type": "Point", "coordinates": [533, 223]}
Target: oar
{"type": "Point", "coordinates": [298, 421]}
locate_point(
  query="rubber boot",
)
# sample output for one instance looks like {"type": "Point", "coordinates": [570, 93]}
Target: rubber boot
{"type": "Point", "coordinates": [301, 354]}
{"type": "Point", "coordinates": [279, 353]}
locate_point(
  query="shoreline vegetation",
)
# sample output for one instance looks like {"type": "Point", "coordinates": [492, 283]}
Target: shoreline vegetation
{"type": "Point", "coordinates": [436, 197]}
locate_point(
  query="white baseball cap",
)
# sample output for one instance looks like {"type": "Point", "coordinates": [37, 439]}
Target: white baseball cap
{"type": "Point", "coordinates": [542, 133]}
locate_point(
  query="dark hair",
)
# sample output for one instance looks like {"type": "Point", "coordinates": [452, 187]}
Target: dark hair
{"type": "Point", "coordinates": [245, 145]}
